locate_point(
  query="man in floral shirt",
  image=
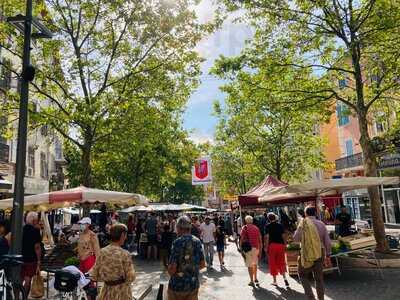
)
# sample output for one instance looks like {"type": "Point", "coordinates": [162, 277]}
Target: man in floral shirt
{"type": "Point", "coordinates": [186, 261]}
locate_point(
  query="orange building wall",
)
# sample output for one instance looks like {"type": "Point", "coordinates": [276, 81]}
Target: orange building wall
{"type": "Point", "coordinates": [331, 149]}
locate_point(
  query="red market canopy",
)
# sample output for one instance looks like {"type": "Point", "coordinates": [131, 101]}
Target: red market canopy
{"type": "Point", "coordinates": [272, 191]}
{"type": "Point", "coordinates": [268, 186]}
{"type": "Point", "coordinates": [79, 195]}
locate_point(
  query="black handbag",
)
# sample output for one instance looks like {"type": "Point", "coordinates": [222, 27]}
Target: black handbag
{"type": "Point", "coordinates": [246, 246]}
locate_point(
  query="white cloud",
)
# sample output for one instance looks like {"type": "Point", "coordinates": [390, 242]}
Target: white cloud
{"type": "Point", "coordinates": [199, 137]}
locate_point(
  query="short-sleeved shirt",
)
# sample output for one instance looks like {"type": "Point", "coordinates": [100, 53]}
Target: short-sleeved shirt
{"type": "Point", "coordinates": [275, 231]}
{"type": "Point", "coordinates": [186, 253]}
{"type": "Point", "coordinates": [30, 237]}
{"type": "Point", "coordinates": [251, 233]}
{"type": "Point", "coordinates": [151, 226]}
{"type": "Point", "coordinates": [207, 232]}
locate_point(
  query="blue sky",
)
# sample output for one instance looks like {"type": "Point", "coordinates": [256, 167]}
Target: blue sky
{"type": "Point", "coordinates": [229, 40]}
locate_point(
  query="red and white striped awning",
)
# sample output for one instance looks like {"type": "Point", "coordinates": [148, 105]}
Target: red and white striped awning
{"type": "Point", "coordinates": [65, 198]}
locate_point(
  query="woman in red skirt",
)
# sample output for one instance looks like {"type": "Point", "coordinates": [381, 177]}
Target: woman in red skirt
{"type": "Point", "coordinates": [275, 247]}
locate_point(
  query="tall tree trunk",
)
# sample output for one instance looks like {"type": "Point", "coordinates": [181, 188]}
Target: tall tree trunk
{"type": "Point", "coordinates": [86, 166]}
{"type": "Point", "coordinates": [370, 164]}
{"type": "Point", "coordinates": [370, 170]}
{"type": "Point", "coordinates": [87, 174]}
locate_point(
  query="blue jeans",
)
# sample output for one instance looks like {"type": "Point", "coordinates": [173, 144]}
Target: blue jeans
{"type": "Point", "coordinates": [209, 253]}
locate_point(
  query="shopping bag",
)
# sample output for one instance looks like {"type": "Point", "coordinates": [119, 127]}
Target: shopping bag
{"type": "Point", "coordinates": [37, 287]}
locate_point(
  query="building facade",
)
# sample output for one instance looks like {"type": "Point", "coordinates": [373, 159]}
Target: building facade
{"type": "Point", "coordinates": [44, 156]}
{"type": "Point", "coordinates": [344, 155]}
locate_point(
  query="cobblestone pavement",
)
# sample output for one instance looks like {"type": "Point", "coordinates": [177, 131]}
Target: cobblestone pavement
{"type": "Point", "coordinates": [231, 283]}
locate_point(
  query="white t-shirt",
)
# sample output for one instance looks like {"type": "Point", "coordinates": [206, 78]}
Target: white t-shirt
{"type": "Point", "coordinates": [207, 232]}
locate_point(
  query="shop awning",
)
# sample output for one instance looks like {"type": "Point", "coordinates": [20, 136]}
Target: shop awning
{"type": "Point", "coordinates": [268, 186]}
{"type": "Point", "coordinates": [75, 211]}
{"type": "Point", "coordinates": [5, 184]}
{"type": "Point", "coordinates": [340, 185]}
{"type": "Point", "coordinates": [164, 207]}
{"type": "Point", "coordinates": [79, 195]}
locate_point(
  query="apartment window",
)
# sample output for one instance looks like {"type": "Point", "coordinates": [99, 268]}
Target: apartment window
{"type": "Point", "coordinates": [44, 166]}
{"type": "Point", "coordinates": [374, 78]}
{"type": "Point", "coordinates": [44, 130]}
{"type": "Point", "coordinates": [379, 127]}
{"type": "Point", "coordinates": [13, 151]}
{"type": "Point", "coordinates": [342, 83]}
{"type": "Point", "coordinates": [349, 147]}
{"type": "Point", "coordinates": [342, 114]}
{"type": "Point", "coordinates": [5, 75]}
{"type": "Point", "coordinates": [3, 124]}
{"type": "Point", "coordinates": [31, 162]}
{"type": "Point", "coordinates": [58, 150]}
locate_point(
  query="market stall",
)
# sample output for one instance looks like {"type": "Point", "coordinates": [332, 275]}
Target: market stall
{"type": "Point", "coordinates": [266, 187]}
{"type": "Point", "coordinates": [79, 195]}
{"type": "Point", "coordinates": [57, 255]}
{"type": "Point", "coordinates": [338, 186]}
{"type": "Point", "coordinates": [163, 208]}
{"type": "Point", "coordinates": [344, 246]}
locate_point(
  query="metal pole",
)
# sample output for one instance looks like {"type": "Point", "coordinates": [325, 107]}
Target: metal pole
{"type": "Point", "coordinates": [18, 203]}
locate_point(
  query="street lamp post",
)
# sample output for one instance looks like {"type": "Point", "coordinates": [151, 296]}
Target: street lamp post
{"type": "Point", "coordinates": [23, 24]}
{"type": "Point", "coordinates": [18, 203]}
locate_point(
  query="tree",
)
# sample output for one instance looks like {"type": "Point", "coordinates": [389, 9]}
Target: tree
{"type": "Point", "coordinates": [339, 39]}
{"type": "Point", "coordinates": [152, 156]}
{"type": "Point", "coordinates": [260, 132]}
{"type": "Point", "coordinates": [105, 57]}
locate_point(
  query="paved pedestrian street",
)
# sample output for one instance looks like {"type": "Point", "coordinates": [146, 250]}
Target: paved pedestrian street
{"type": "Point", "coordinates": [231, 283]}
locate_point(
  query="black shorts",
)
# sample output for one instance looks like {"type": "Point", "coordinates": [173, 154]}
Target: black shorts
{"type": "Point", "coordinates": [220, 247]}
{"type": "Point", "coordinates": [152, 239]}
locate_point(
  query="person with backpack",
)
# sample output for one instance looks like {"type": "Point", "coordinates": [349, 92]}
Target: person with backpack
{"type": "Point", "coordinates": [186, 261]}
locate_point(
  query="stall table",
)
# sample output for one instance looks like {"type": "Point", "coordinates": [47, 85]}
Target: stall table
{"type": "Point", "coordinates": [370, 249]}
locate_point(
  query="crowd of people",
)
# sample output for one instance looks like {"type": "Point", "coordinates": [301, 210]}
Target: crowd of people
{"type": "Point", "coordinates": [185, 245]}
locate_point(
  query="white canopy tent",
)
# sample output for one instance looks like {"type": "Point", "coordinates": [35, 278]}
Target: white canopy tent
{"type": "Point", "coordinates": [163, 207]}
{"type": "Point", "coordinates": [341, 185]}
{"type": "Point", "coordinates": [75, 211]}
{"type": "Point", "coordinates": [79, 195]}
{"type": "Point", "coordinates": [5, 184]}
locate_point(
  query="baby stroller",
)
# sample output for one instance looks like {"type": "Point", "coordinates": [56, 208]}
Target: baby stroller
{"type": "Point", "coordinates": [69, 286]}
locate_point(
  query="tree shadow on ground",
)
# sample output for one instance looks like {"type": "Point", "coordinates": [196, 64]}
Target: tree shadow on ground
{"type": "Point", "coordinates": [282, 293]}
{"type": "Point", "coordinates": [215, 274]}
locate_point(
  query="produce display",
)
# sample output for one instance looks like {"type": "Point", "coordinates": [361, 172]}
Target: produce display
{"type": "Point", "coordinates": [72, 261]}
{"type": "Point", "coordinates": [358, 241]}
{"type": "Point", "coordinates": [293, 246]}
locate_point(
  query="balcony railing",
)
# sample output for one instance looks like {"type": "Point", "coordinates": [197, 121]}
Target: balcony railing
{"type": "Point", "coordinates": [4, 152]}
{"type": "Point", "coordinates": [350, 161]}
{"type": "Point", "coordinates": [385, 160]}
